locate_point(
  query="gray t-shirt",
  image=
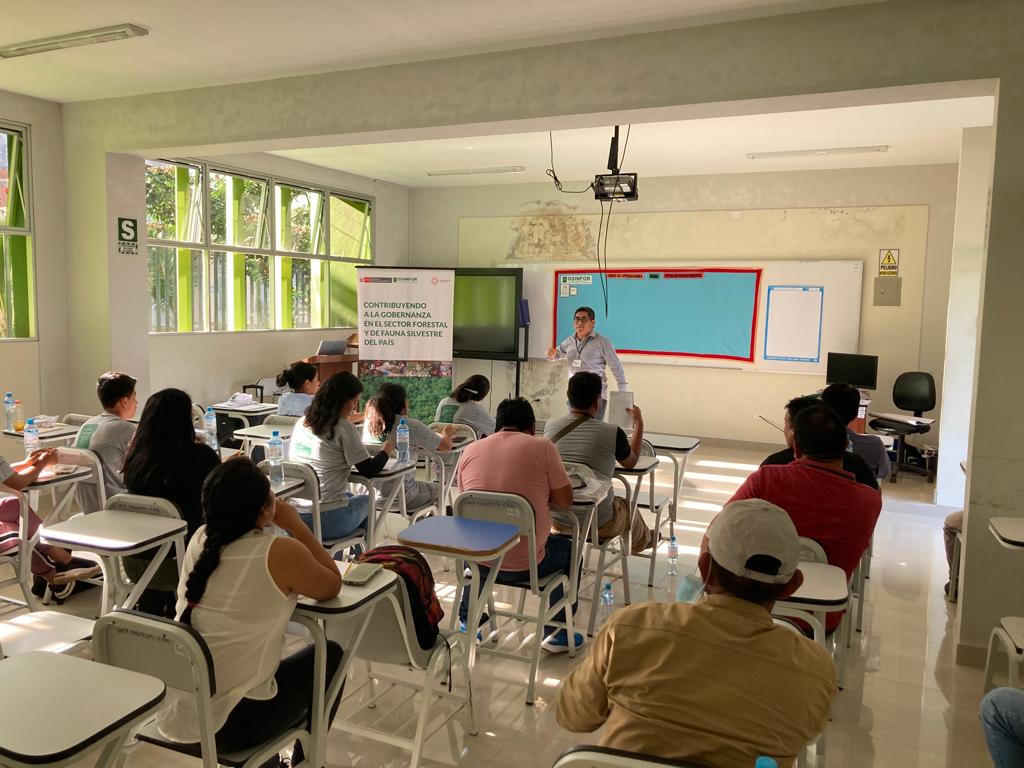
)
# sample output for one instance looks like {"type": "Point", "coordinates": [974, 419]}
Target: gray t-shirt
{"type": "Point", "coordinates": [476, 416]}
{"type": "Point", "coordinates": [594, 443]}
{"type": "Point", "coordinates": [108, 437]}
{"type": "Point", "coordinates": [420, 436]}
{"type": "Point", "coordinates": [332, 460]}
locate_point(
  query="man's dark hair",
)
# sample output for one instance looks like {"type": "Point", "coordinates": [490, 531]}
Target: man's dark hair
{"type": "Point", "coordinates": [112, 386]}
{"type": "Point", "coordinates": [514, 412]}
{"type": "Point", "coordinates": [588, 310]}
{"type": "Point", "coordinates": [797, 404]}
{"type": "Point", "coordinates": [820, 433]}
{"type": "Point", "coordinates": [746, 589]}
{"type": "Point", "coordinates": [844, 399]}
{"type": "Point", "coordinates": [584, 390]}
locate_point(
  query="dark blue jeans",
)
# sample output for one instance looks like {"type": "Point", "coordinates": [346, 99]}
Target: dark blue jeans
{"type": "Point", "coordinates": [557, 559]}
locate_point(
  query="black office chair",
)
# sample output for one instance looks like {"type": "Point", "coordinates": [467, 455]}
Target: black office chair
{"type": "Point", "coordinates": [913, 391]}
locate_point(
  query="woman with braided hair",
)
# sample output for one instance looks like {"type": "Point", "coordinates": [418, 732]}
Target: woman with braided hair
{"type": "Point", "coordinates": [239, 584]}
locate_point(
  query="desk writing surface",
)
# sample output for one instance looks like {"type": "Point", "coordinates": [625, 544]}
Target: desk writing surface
{"type": "Point", "coordinates": [643, 465]}
{"type": "Point", "coordinates": [107, 698]}
{"type": "Point", "coordinates": [824, 585]}
{"type": "Point", "coordinates": [47, 477]}
{"type": "Point", "coordinates": [112, 530]}
{"type": "Point", "coordinates": [679, 443]}
{"type": "Point", "coordinates": [1009, 530]}
{"type": "Point", "coordinates": [55, 431]}
{"type": "Point", "coordinates": [460, 536]}
{"type": "Point", "coordinates": [352, 596]}
{"type": "Point", "coordinates": [264, 432]}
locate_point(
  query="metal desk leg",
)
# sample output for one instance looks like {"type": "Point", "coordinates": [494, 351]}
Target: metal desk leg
{"type": "Point", "coordinates": [147, 575]}
{"type": "Point", "coordinates": [477, 601]}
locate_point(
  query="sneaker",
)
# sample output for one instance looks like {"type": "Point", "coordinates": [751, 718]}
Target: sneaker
{"type": "Point", "coordinates": [462, 629]}
{"type": "Point", "coordinates": [75, 570]}
{"type": "Point", "coordinates": [559, 642]}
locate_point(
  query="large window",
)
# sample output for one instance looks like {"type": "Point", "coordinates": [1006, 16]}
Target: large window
{"type": "Point", "coordinates": [17, 300]}
{"type": "Point", "coordinates": [230, 251]}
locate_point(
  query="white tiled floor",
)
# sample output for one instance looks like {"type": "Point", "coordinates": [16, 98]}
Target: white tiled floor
{"type": "Point", "coordinates": [905, 704]}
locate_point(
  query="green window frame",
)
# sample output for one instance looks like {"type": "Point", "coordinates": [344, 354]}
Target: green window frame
{"type": "Point", "coordinates": [17, 269]}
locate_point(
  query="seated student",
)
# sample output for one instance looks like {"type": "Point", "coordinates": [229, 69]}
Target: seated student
{"type": "Point", "coordinates": [327, 441]}
{"type": "Point", "coordinates": [826, 503]}
{"type": "Point", "coordinates": [716, 682]}
{"type": "Point", "coordinates": [462, 406]}
{"type": "Point", "coordinates": [851, 461]}
{"type": "Point", "coordinates": [1002, 717]}
{"type": "Point", "coordinates": [108, 434]}
{"type": "Point", "coordinates": [513, 460]}
{"type": "Point", "coordinates": [166, 459]}
{"type": "Point", "coordinates": [50, 565]}
{"type": "Point", "coordinates": [845, 400]}
{"type": "Point", "coordinates": [304, 381]}
{"type": "Point", "coordinates": [239, 585]}
{"type": "Point", "coordinates": [581, 438]}
{"type": "Point", "coordinates": [382, 414]}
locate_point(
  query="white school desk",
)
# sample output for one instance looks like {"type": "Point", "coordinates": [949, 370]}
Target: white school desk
{"type": "Point", "coordinates": [56, 434]}
{"type": "Point", "coordinates": [249, 415]}
{"type": "Point", "coordinates": [353, 600]}
{"type": "Point", "coordinates": [392, 471]}
{"type": "Point", "coordinates": [645, 466]}
{"type": "Point", "coordinates": [673, 445]}
{"type": "Point", "coordinates": [48, 481]}
{"type": "Point", "coordinates": [261, 434]}
{"type": "Point", "coordinates": [825, 590]}
{"type": "Point", "coordinates": [1009, 531]}
{"type": "Point", "coordinates": [106, 702]}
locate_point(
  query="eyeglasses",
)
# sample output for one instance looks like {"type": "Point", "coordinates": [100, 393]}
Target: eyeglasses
{"type": "Point", "coordinates": [581, 319]}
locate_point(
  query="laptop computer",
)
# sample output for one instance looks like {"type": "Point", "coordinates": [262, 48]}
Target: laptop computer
{"type": "Point", "coordinates": [332, 347]}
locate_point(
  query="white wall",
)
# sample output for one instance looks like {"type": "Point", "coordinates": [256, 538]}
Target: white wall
{"type": "Point", "coordinates": [721, 403]}
{"type": "Point", "coordinates": [36, 370]}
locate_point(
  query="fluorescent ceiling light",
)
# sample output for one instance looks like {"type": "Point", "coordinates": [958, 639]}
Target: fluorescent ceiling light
{"type": "Point", "coordinates": [73, 40]}
{"type": "Point", "coordinates": [471, 171]}
{"type": "Point", "coordinates": [786, 153]}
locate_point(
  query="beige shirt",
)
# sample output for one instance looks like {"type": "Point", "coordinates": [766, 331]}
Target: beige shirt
{"type": "Point", "coordinates": [716, 683]}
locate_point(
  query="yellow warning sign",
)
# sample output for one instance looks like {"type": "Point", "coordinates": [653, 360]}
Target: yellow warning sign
{"type": "Point", "coordinates": [889, 262]}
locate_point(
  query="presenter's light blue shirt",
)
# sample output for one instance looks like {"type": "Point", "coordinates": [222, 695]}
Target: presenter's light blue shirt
{"type": "Point", "coordinates": [594, 353]}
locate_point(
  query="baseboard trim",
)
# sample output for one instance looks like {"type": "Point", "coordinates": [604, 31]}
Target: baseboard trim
{"type": "Point", "coordinates": [971, 655]}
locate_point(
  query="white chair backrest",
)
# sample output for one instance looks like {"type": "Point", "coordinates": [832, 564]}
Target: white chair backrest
{"type": "Point", "coordinates": [508, 508]}
{"type": "Point", "coordinates": [811, 551]}
{"type": "Point", "coordinates": [23, 518]}
{"type": "Point", "coordinates": [144, 505]}
{"type": "Point", "coordinates": [585, 756]}
{"type": "Point", "coordinates": [787, 625]}
{"type": "Point", "coordinates": [92, 491]}
{"type": "Point", "coordinates": [74, 419]}
{"type": "Point", "coordinates": [277, 419]}
{"type": "Point", "coordinates": [168, 650]}
{"type": "Point", "coordinates": [198, 412]}
{"type": "Point", "coordinates": [390, 636]}
{"type": "Point", "coordinates": [307, 499]}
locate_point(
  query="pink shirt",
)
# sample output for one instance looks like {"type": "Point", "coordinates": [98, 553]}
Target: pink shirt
{"type": "Point", "coordinates": [515, 462]}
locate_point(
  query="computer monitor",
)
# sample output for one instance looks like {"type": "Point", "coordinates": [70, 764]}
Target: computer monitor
{"type": "Point", "coordinates": [860, 371]}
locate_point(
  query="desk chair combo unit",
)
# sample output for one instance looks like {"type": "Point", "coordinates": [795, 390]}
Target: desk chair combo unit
{"type": "Point", "coordinates": [512, 509]}
{"type": "Point", "coordinates": [913, 391]}
{"type": "Point", "coordinates": [610, 551]}
{"type": "Point", "coordinates": [1008, 636]}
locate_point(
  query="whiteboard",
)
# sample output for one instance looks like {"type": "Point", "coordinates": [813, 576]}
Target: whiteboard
{"type": "Point", "coordinates": [839, 323]}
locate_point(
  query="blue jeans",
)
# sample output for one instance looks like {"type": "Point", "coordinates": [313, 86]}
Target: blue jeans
{"type": "Point", "coordinates": [1002, 716]}
{"type": "Point", "coordinates": [557, 559]}
{"type": "Point", "coordinates": [341, 521]}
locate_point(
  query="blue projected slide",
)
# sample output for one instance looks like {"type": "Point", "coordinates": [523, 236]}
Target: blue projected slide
{"type": "Point", "coordinates": [684, 312]}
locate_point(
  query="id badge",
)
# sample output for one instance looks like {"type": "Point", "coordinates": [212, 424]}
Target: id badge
{"type": "Point", "coordinates": [577, 363]}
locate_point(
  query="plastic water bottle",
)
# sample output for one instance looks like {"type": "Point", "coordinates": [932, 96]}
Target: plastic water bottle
{"type": "Point", "coordinates": [210, 421]}
{"type": "Point", "coordinates": [31, 437]}
{"type": "Point", "coordinates": [9, 410]}
{"type": "Point", "coordinates": [765, 762]}
{"type": "Point", "coordinates": [673, 557]}
{"type": "Point", "coordinates": [275, 455]}
{"type": "Point", "coordinates": [402, 441]}
{"type": "Point", "coordinates": [607, 601]}
{"type": "Point", "coordinates": [19, 416]}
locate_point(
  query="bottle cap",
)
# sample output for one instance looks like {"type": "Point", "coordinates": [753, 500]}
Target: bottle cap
{"type": "Point", "coordinates": [30, 422]}
{"type": "Point", "coordinates": [275, 433]}
{"type": "Point", "coordinates": [17, 402]}
{"type": "Point", "coordinates": [671, 539]}
{"type": "Point", "coordinates": [607, 585]}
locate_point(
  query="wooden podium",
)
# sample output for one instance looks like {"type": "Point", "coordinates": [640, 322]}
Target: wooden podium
{"type": "Point", "coordinates": [328, 365]}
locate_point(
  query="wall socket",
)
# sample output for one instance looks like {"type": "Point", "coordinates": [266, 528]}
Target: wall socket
{"type": "Point", "coordinates": [887, 291]}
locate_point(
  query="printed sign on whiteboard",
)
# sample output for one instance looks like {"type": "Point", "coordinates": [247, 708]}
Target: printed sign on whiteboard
{"type": "Point", "coordinates": [793, 323]}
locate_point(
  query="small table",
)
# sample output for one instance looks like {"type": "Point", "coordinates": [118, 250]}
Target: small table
{"type": "Point", "coordinates": [470, 541]}
{"type": "Point", "coordinates": [49, 481]}
{"type": "Point", "coordinates": [55, 434]}
{"type": "Point", "coordinates": [1009, 531]}
{"type": "Point", "coordinates": [261, 434]}
{"type": "Point", "coordinates": [645, 466]}
{"type": "Point", "coordinates": [112, 701]}
{"type": "Point", "coordinates": [114, 534]}
{"type": "Point", "coordinates": [353, 600]}
{"type": "Point", "coordinates": [674, 444]}
{"type": "Point", "coordinates": [825, 590]}
{"type": "Point", "coordinates": [249, 415]}
{"type": "Point", "coordinates": [392, 471]}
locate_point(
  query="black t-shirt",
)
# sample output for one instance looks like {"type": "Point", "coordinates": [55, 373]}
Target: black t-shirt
{"type": "Point", "coordinates": [182, 483]}
{"type": "Point", "coordinates": [622, 449]}
{"type": "Point", "coordinates": [851, 463]}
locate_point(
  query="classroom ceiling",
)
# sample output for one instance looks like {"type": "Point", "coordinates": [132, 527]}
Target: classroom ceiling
{"type": "Point", "coordinates": [196, 43]}
{"type": "Point", "coordinates": [917, 133]}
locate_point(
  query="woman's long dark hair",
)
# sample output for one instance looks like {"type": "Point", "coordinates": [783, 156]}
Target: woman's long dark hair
{"type": "Point", "coordinates": [234, 494]}
{"type": "Point", "coordinates": [383, 409]}
{"type": "Point", "coordinates": [164, 433]}
{"type": "Point", "coordinates": [323, 413]}
{"type": "Point", "coordinates": [475, 388]}
{"type": "Point", "coordinates": [297, 375]}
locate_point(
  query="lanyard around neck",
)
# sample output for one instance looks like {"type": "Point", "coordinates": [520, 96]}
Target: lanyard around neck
{"type": "Point", "coordinates": [581, 347]}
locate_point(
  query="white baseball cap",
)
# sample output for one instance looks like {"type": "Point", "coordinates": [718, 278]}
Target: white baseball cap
{"type": "Point", "coordinates": [752, 527]}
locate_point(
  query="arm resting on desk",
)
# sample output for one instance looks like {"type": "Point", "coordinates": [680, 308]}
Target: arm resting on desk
{"type": "Point", "coordinates": [371, 467]}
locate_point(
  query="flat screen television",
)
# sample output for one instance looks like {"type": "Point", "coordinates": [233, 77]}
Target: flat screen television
{"type": "Point", "coordinates": [860, 371]}
{"type": "Point", "coordinates": [486, 315]}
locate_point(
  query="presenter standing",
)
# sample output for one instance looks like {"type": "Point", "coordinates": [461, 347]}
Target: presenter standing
{"type": "Point", "coordinates": [587, 350]}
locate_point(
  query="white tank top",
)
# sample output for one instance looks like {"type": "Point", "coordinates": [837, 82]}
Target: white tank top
{"type": "Point", "coordinates": [242, 616]}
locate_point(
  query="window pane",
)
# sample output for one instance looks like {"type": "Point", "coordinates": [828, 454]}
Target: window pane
{"type": "Point", "coordinates": [220, 291]}
{"type": "Point", "coordinates": [174, 202]}
{"type": "Point", "coordinates": [350, 228]}
{"type": "Point", "coordinates": [257, 292]}
{"type": "Point", "coordinates": [341, 309]}
{"type": "Point", "coordinates": [239, 291]}
{"type": "Point", "coordinates": [12, 179]}
{"type": "Point", "coordinates": [176, 290]}
{"type": "Point", "coordinates": [239, 211]}
{"type": "Point", "coordinates": [17, 307]}
{"type": "Point", "coordinates": [299, 219]}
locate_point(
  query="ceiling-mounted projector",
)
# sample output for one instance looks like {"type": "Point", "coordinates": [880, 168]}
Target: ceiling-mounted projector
{"type": "Point", "coordinates": [615, 185]}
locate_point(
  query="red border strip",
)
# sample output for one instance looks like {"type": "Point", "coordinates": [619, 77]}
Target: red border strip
{"type": "Point", "coordinates": [756, 271]}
